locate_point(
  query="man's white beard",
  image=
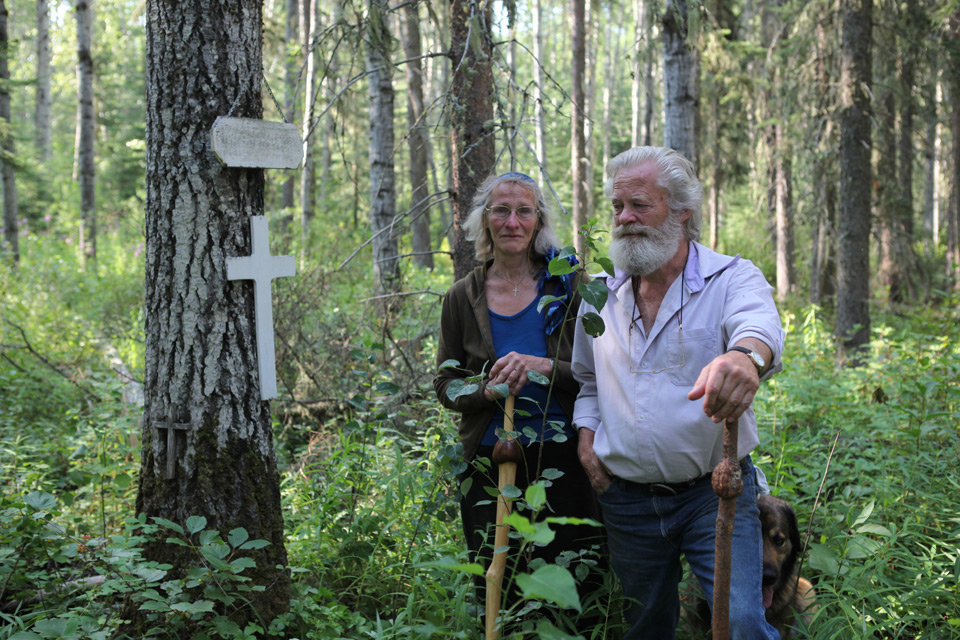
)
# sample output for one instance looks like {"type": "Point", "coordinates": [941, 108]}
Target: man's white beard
{"type": "Point", "coordinates": [640, 250]}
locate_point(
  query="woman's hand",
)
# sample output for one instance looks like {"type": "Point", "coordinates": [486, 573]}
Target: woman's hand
{"type": "Point", "coordinates": [512, 370]}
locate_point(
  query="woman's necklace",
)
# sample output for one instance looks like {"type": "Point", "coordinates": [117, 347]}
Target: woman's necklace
{"type": "Point", "coordinates": [516, 283]}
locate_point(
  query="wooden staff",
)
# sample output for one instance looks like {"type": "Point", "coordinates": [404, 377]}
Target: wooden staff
{"type": "Point", "coordinates": [506, 454]}
{"type": "Point", "coordinates": [727, 480]}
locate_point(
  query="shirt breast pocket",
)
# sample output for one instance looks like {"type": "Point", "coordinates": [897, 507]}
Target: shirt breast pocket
{"type": "Point", "coordinates": [694, 349]}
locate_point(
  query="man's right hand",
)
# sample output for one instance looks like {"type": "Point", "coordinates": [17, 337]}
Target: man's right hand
{"type": "Point", "coordinates": [597, 474]}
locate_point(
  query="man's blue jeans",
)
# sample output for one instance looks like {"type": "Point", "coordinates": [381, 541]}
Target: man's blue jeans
{"type": "Point", "coordinates": [648, 533]}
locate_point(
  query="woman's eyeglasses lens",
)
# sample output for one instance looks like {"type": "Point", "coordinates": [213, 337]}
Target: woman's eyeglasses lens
{"type": "Point", "coordinates": [502, 212]}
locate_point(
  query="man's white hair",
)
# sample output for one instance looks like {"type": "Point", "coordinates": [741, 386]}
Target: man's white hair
{"type": "Point", "coordinates": [476, 231]}
{"type": "Point", "coordinates": [675, 175]}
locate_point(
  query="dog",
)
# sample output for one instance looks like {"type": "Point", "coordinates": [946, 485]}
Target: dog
{"type": "Point", "coordinates": [790, 600]}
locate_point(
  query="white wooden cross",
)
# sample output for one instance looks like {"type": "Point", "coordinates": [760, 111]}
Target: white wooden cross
{"type": "Point", "coordinates": [171, 427]}
{"type": "Point", "coordinates": [262, 268]}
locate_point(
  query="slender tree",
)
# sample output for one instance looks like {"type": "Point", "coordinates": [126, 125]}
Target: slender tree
{"type": "Point", "coordinates": [952, 73]}
{"type": "Point", "coordinates": [383, 198]}
{"type": "Point", "coordinates": [86, 133]}
{"type": "Point", "coordinates": [577, 116]}
{"type": "Point", "coordinates": [291, 42]}
{"type": "Point", "coordinates": [42, 110]}
{"type": "Point", "coordinates": [538, 92]}
{"type": "Point", "coordinates": [471, 109]}
{"type": "Point", "coordinates": [417, 139]}
{"type": "Point", "coordinates": [853, 275]}
{"type": "Point", "coordinates": [308, 178]}
{"type": "Point", "coordinates": [10, 225]}
{"type": "Point", "coordinates": [201, 356]}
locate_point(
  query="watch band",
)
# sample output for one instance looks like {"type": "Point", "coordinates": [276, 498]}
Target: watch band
{"type": "Point", "coordinates": [754, 357]}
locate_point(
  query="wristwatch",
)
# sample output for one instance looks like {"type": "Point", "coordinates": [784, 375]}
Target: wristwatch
{"type": "Point", "coordinates": [758, 361]}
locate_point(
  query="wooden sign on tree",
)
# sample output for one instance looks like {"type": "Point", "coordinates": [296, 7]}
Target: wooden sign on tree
{"type": "Point", "coordinates": [256, 144]}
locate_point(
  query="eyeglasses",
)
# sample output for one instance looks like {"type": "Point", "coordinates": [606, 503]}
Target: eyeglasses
{"type": "Point", "coordinates": [502, 212]}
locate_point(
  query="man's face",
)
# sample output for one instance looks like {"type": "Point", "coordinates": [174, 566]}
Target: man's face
{"type": "Point", "coordinates": [645, 233]}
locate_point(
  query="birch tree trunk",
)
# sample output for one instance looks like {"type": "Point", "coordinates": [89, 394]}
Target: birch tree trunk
{"type": "Point", "coordinates": [201, 355]}
{"type": "Point", "coordinates": [609, 82]}
{"type": "Point", "coordinates": [681, 73]}
{"type": "Point", "coordinates": [853, 247]}
{"type": "Point", "coordinates": [590, 114]}
{"type": "Point", "coordinates": [383, 198]}
{"type": "Point", "coordinates": [42, 111]}
{"type": "Point", "coordinates": [86, 132]}
{"type": "Point", "coordinates": [931, 200]}
{"type": "Point", "coordinates": [578, 143]}
{"type": "Point", "coordinates": [417, 139]}
{"type": "Point", "coordinates": [538, 93]}
{"type": "Point", "coordinates": [308, 176]}
{"type": "Point", "coordinates": [786, 278]}
{"type": "Point", "coordinates": [290, 88]}
{"type": "Point", "coordinates": [640, 46]}
{"type": "Point", "coordinates": [648, 71]}
{"type": "Point", "coordinates": [952, 72]}
{"type": "Point", "coordinates": [471, 108]}
{"type": "Point", "coordinates": [10, 225]}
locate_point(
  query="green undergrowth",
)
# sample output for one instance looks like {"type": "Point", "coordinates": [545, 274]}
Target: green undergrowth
{"type": "Point", "coordinates": [369, 461]}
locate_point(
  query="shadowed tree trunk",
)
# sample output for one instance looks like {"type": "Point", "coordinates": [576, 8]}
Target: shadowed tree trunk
{"type": "Point", "coordinates": [681, 74]}
{"type": "Point", "coordinates": [417, 139]}
{"type": "Point", "coordinates": [308, 178]}
{"type": "Point", "coordinates": [891, 232]}
{"type": "Point", "coordinates": [42, 111]}
{"type": "Point", "coordinates": [931, 197]}
{"type": "Point", "coordinates": [383, 198]}
{"type": "Point", "coordinates": [853, 247]}
{"type": "Point", "coordinates": [86, 132]}
{"type": "Point", "coordinates": [786, 278]}
{"type": "Point", "coordinates": [201, 355]}
{"type": "Point", "coordinates": [538, 93]}
{"type": "Point", "coordinates": [10, 225]}
{"type": "Point", "coordinates": [471, 109]}
{"type": "Point", "coordinates": [952, 73]}
{"type": "Point", "coordinates": [290, 89]}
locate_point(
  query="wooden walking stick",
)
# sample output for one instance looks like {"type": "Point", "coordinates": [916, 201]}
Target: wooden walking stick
{"type": "Point", "coordinates": [506, 454]}
{"type": "Point", "coordinates": [727, 483]}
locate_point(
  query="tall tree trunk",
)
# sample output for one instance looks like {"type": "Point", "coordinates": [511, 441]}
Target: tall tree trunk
{"type": "Point", "coordinates": [10, 225]}
{"type": "Point", "coordinates": [590, 115]}
{"type": "Point", "coordinates": [853, 247]}
{"type": "Point", "coordinates": [952, 72]}
{"type": "Point", "coordinates": [538, 92]}
{"type": "Point", "coordinates": [640, 47]}
{"type": "Point", "coordinates": [713, 195]}
{"type": "Point", "coordinates": [786, 278]}
{"type": "Point", "coordinates": [681, 72]}
{"type": "Point", "coordinates": [891, 255]}
{"type": "Point", "coordinates": [383, 197]}
{"type": "Point", "coordinates": [823, 255]}
{"type": "Point", "coordinates": [42, 112]}
{"type": "Point", "coordinates": [649, 91]}
{"type": "Point", "coordinates": [577, 115]}
{"type": "Point", "coordinates": [610, 79]}
{"type": "Point", "coordinates": [472, 107]}
{"type": "Point", "coordinates": [290, 88]}
{"type": "Point", "coordinates": [308, 177]}
{"type": "Point", "coordinates": [201, 354]}
{"type": "Point", "coordinates": [86, 132]}
{"type": "Point", "coordinates": [931, 199]}
{"type": "Point", "coordinates": [417, 140]}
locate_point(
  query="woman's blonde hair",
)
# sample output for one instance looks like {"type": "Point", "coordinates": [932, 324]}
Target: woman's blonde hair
{"type": "Point", "coordinates": [476, 231]}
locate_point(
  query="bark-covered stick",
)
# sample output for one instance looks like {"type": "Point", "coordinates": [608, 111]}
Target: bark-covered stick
{"type": "Point", "coordinates": [727, 484]}
{"type": "Point", "coordinates": [505, 455]}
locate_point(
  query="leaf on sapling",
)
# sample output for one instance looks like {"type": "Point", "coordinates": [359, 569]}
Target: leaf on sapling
{"type": "Point", "coordinates": [530, 432]}
{"type": "Point", "coordinates": [566, 252]}
{"type": "Point", "coordinates": [539, 378]}
{"type": "Point", "coordinates": [535, 495]}
{"type": "Point", "coordinates": [593, 324]}
{"type": "Point", "coordinates": [208, 536]}
{"type": "Point", "coordinates": [40, 500]}
{"type": "Point", "coordinates": [594, 293]}
{"type": "Point", "coordinates": [511, 491]}
{"type": "Point", "coordinates": [196, 523]}
{"type": "Point", "coordinates": [238, 536]}
{"type": "Point", "coordinates": [154, 605]}
{"type": "Point", "coordinates": [545, 300]}
{"type": "Point", "coordinates": [458, 388]}
{"type": "Point", "coordinates": [560, 267]}
{"type": "Point", "coordinates": [607, 265]}
{"type": "Point", "coordinates": [163, 522]}
{"type": "Point", "coordinates": [552, 474]}
{"type": "Point", "coordinates": [200, 606]}
{"type": "Point", "coordinates": [519, 522]}
{"type": "Point", "coordinates": [254, 544]}
{"type": "Point", "coordinates": [502, 390]}
{"type": "Point", "coordinates": [552, 583]}
{"type": "Point", "coordinates": [465, 486]}
{"type": "Point", "coordinates": [446, 562]}
{"type": "Point", "coordinates": [572, 520]}
{"type": "Point", "coordinates": [547, 631]}
{"type": "Point", "coordinates": [387, 387]}
{"type": "Point", "coordinates": [240, 564]}
{"type": "Point", "coordinates": [446, 364]}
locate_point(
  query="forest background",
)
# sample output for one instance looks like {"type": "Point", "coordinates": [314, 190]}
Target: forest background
{"type": "Point", "coordinates": [824, 133]}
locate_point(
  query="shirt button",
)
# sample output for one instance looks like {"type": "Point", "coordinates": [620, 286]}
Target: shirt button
{"type": "Point", "coordinates": [641, 417]}
{"type": "Point", "coordinates": [644, 364]}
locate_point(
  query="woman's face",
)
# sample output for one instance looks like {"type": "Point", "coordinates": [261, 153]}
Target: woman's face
{"type": "Point", "coordinates": [512, 218]}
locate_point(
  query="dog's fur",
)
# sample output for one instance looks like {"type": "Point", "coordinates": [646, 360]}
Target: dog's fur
{"type": "Point", "coordinates": [788, 598]}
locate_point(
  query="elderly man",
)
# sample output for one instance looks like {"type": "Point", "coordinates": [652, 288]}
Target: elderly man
{"type": "Point", "coordinates": [683, 324]}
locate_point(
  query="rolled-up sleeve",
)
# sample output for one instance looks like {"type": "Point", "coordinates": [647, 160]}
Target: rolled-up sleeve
{"type": "Point", "coordinates": [586, 411]}
{"type": "Point", "coordinates": [750, 312]}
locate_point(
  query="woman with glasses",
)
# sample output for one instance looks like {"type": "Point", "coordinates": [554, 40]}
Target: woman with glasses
{"type": "Point", "coordinates": [512, 323]}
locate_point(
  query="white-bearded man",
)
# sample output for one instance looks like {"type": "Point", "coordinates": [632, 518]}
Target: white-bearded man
{"type": "Point", "coordinates": [689, 333]}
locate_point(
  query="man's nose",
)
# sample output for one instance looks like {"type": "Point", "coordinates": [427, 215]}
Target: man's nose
{"type": "Point", "coordinates": [627, 215]}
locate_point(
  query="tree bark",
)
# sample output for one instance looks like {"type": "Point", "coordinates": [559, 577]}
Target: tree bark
{"type": "Point", "coordinates": [823, 255]}
{"type": "Point", "coordinates": [417, 140]}
{"type": "Point", "coordinates": [891, 254]}
{"type": "Point", "coordinates": [640, 46]}
{"type": "Point", "coordinates": [383, 198]}
{"type": "Point", "coordinates": [853, 247]}
{"type": "Point", "coordinates": [201, 355]}
{"type": "Point", "coordinates": [308, 177]}
{"type": "Point", "coordinates": [577, 116]}
{"type": "Point", "coordinates": [681, 72]}
{"type": "Point", "coordinates": [952, 71]}
{"type": "Point", "coordinates": [931, 197]}
{"type": "Point", "coordinates": [471, 109]}
{"type": "Point", "coordinates": [42, 112]}
{"type": "Point", "coordinates": [86, 132]}
{"type": "Point", "coordinates": [10, 224]}
{"type": "Point", "coordinates": [290, 89]}
{"type": "Point", "coordinates": [786, 278]}
{"type": "Point", "coordinates": [538, 93]}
